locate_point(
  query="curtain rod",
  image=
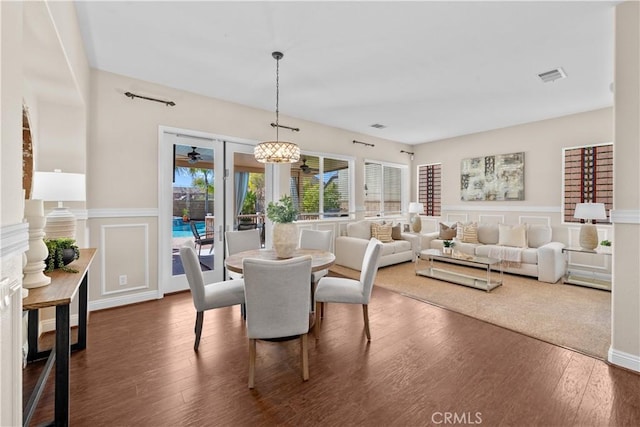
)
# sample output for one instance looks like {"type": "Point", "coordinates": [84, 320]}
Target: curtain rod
{"type": "Point", "coordinates": [364, 143]}
{"type": "Point", "coordinates": [286, 127]}
{"type": "Point", "coordinates": [133, 95]}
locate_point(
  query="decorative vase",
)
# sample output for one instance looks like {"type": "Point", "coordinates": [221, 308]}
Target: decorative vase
{"type": "Point", "coordinates": [285, 239]}
{"type": "Point", "coordinates": [446, 250]}
{"type": "Point", "coordinates": [34, 269]}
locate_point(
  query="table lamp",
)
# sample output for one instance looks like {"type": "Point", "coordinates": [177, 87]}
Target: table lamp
{"type": "Point", "coordinates": [416, 209]}
{"type": "Point", "coordinates": [588, 231]}
{"type": "Point", "coordinates": [59, 187]}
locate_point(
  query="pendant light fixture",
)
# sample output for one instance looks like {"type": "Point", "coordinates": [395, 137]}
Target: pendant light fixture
{"type": "Point", "coordinates": [277, 151]}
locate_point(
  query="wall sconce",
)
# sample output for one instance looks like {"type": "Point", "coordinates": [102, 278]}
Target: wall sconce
{"type": "Point", "coordinates": [409, 153]}
{"type": "Point", "coordinates": [59, 187]}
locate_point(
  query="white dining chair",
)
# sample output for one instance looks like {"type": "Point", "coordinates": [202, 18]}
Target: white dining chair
{"type": "Point", "coordinates": [207, 296]}
{"type": "Point", "coordinates": [240, 241]}
{"type": "Point", "coordinates": [320, 240]}
{"type": "Point", "coordinates": [277, 304]}
{"type": "Point", "coordinates": [350, 291]}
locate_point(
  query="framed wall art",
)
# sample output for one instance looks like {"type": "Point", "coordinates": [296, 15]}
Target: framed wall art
{"type": "Point", "coordinates": [492, 178]}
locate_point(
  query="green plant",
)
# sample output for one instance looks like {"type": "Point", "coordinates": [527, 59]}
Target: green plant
{"type": "Point", "coordinates": [56, 249]}
{"type": "Point", "coordinates": [185, 212]}
{"type": "Point", "coordinates": [605, 243]}
{"type": "Point", "coordinates": [448, 243]}
{"type": "Point", "coordinates": [282, 211]}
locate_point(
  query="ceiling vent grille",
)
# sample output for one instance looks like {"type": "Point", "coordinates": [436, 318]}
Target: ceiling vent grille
{"type": "Point", "coordinates": [553, 75]}
{"type": "Point", "coordinates": [378, 126]}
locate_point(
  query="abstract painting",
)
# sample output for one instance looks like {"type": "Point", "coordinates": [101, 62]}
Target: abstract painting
{"type": "Point", "coordinates": [493, 178]}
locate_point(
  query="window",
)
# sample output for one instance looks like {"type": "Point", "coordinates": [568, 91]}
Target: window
{"type": "Point", "coordinates": [588, 177]}
{"type": "Point", "coordinates": [429, 188]}
{"type": "Point", "coordinates": [320, 187]}
{"type": "Point", "coordinates": [384, 189]}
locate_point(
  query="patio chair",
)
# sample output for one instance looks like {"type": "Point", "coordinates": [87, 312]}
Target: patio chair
{"type": "Point", "coordinates": [199, 240]}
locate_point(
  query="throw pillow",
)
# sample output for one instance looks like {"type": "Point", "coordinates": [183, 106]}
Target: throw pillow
{"type": "Point", "coordinates": [538, 235]}
{"type": "Point", "coordinates": [512, 235]}
{"type": "Point", "coordinates": [396, 232]}
{"type": "Point", "coordinates": [381, 232]}
{"type": "Point", "coordinates": [446, 232]}
{"type": "Point", "coordinates": [468, 233]}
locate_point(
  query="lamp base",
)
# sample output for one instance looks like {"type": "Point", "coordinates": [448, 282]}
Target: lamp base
{"type": "Point", "coordinates": [588, 237]}
{"type": "Point", "coordinates": [416, 224]}
{"type": "Point", "coordinates": [61, 223]}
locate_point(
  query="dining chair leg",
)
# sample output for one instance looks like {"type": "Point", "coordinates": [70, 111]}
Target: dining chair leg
{"type": "Point", "coordinates": [252, 362]}
{"type": "Point", "coordinates": [365, 313]}
{"type": "Point", "coordinates": [318, 321]}
{"type": "Point", "coordinates": [305, 357]}
{"type": "Point", "coordinates": [198, 329]}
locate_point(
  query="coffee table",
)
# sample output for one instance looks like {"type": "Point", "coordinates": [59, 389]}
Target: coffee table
{"type": "Point", "coordinates": [431, 255]}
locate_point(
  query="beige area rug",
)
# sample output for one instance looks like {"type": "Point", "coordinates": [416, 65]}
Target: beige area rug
{"type": "Point", "coordinates": [571, 316]}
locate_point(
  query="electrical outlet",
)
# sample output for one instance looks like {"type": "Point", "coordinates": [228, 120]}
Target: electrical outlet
{"type": "Point", "coordinates": [123, 280]}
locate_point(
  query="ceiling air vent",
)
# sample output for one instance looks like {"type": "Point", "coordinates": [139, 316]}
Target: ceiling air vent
{"type": "Point", "coordinates": [378, 126]}
{"type": "Point", "coordinates": [552, 75]}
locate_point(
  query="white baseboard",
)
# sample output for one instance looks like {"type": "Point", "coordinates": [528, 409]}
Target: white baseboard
{"type": "Point", "coordinates": [123, 300]}
{"type": "Point", "coordinates": [626, 360]}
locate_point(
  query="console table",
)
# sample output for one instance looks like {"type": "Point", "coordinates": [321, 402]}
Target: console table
{"type": "Point", "coordinates": [59, 293]}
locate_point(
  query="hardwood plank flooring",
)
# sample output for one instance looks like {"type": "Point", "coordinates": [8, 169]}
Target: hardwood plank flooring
{"type": "Point", "coordinates": [424, 366]}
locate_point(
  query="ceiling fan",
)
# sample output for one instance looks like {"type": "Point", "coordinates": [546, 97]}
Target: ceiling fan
{"type": "Point", "coordinates": [306, 169]}
{"type": "Point", "coordinates": [194, 156]}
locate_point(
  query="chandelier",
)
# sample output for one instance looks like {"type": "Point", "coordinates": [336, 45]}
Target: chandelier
{"type": "Point", "coordinates": [277, 151]}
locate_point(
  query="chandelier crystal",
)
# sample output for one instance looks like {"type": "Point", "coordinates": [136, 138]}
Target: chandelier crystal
{"type": "Point", "coordinates": [277, 151]}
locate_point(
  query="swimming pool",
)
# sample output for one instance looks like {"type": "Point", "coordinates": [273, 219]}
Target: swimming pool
{"type": "Point", "coordinates": [183, 229]}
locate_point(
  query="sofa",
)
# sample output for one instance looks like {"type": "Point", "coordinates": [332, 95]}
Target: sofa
{"type": "Point", "coordinates": [525, 249]}
{"type": "Point", "coordinates": [397, 246]}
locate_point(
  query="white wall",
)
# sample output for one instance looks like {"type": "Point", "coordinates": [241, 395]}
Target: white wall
{"type": "Point", "coordinates": [625, 345]}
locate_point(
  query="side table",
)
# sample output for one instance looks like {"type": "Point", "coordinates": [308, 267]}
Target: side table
{"type": "Point", "coordinates": [587, 278]}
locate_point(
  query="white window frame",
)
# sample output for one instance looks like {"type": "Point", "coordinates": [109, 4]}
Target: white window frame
{"type": "Point", "coordinates": [404, 187]}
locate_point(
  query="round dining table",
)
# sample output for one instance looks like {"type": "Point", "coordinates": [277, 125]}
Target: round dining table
{"type": "Point", "coordinates": [320, 260]}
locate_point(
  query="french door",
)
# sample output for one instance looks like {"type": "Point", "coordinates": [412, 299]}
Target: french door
{"type": "Point", "coordinates": [191, 205]}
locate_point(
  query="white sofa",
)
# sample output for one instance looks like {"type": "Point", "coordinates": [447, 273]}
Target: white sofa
{"type": "Point", "coordinates": [351, 247]}
{"type": "Point", "coordinates": [540, 258]}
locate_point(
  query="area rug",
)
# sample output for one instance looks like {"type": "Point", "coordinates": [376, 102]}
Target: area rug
{"type": "Point", "coordinates": [570, 316]}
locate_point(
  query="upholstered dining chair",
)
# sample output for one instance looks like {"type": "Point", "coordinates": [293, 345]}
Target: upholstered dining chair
{"type": "Point", "coordinates": [199, 240]}
{"type": "Point", "coordinates": [316, 239]}
{"type": "Point", "coordinates": [207, 296]}
{"type": "Point", "coordinates": [350, 291]}
{"type": "Point", "coordinates": [239, 241]}
{"type": "Point", "coordinates": [277, 304]}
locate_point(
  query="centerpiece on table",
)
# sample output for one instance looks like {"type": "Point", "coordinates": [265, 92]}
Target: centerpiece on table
{"type": "Point", "coordinates": [285, 232]}
{"type": "Point", "coordinates": [447, 246]}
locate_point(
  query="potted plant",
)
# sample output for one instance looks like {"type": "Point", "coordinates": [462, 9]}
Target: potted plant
{"type": "Point", "coordinates": [285, 232]}
{"type": "Point", "coordinates": [62, 251]}
{"type": "Point", "coordinates": [185, 215]}
{"type": "Point", "coordinates": [447, 246]}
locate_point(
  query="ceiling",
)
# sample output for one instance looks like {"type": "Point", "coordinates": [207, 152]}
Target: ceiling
{"type": "Point", "coordinates": [425, 70]}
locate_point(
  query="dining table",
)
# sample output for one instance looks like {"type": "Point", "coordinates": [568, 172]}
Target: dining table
{"type": "Point", "coordinates": [320, 260]}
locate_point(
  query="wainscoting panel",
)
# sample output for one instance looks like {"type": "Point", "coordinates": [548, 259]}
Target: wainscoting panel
{"type": "Point", "coordinates": [491, 219]}
{"type": "Point", "coordinates": [124, 255]}
{"type": "Point", "coordinates": [542, 220]}
{"type": "Point", "coordinates": [452, 218]}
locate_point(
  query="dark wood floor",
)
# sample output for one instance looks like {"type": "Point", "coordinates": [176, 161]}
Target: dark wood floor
{"type": "Point", "coordinates": [424, 366]}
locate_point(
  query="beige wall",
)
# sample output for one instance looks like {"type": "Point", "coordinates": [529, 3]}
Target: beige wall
{"type": "Point", "coordinates": [542, 142]}
{"type": "Point", "coordinates": [625, 346]}
{"type": "Point", "coordinates": [123, 165]}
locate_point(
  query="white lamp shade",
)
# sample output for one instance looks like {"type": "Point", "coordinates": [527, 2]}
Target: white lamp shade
{"type": "Point", "coordinates": [59, 187]}
{"type": "Point", "coordinates": [415, 207]}
{"type": "Point", "coordinates": [590, 211]}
